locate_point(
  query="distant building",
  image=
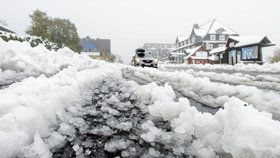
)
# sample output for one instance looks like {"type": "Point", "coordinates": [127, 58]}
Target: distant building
{"type": "Point", "coordinates": [241, 49]}
{"type": "Point", "coordinates": [103, 46]}
{"type": "Point", "coordinates": [161, 51]}
{"type": "Point", "coordinates": [197, 55]}
{"type": "Point", "coordinates": [214, 42]}
{"type": "Point", "coordinates": [212, 34]}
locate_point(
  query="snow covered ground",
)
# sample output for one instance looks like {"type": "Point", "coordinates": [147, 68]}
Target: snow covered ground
{"type": "Point", "coordinates": [265, 68]}
{"type": "Point", "coordinates": [210, 93]}
{"type": "Point", "coordinates": [260, 81]}
{"type": "Point", "coordinates": [61, 104]}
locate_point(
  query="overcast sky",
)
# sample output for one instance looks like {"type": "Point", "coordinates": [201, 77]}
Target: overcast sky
{"type": "Point", "coordinates": [131, 23]}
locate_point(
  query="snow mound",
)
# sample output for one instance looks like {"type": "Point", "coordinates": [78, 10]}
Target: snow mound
{"type": "Point", "coordinates": [211, 93]}
{"type": "Point", "coordinates": [18, 60]}
{"type": "Point", "coordinates": [34, 104]}
{"type": "Point", "coordinates": [238, 129]}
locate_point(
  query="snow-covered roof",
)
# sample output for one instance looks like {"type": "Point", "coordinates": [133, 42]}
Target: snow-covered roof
{"type": "Point", "coordinates": [217, 50]}
{"type": "Point", "coordinates": [191, 51]}
{"type": "Point", "coordinates": [202, 30]}
{"type": "Point", "coordinates": [184, 46]}
{"type": "Point", "coordinates": [4, 29]}
{"type": "Point", "coordinates": [213, 58]}
{"type": "Point", "coordinates": [212, 27]}
{"type": "Point", "coordinates": [177, 54]}
{"type": "Point", "coordinates": [199, 57]}
{"type": "Point", "coordinates": [182, 38]}
{"type": "Point", "coordinates": [247, 40]}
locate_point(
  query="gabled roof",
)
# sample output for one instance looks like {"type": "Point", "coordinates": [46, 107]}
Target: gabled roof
{"type": "Point", "coordinates": [191, 51]}
{"type": "Point", "coordinates": [249, 40]}
{"type": "Point", "coordinates": [212, 27]}
{"type": "Point", "coordinates": [217, 50]}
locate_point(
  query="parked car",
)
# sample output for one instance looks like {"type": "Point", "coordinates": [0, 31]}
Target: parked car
{"type": "Point", "coordinates": [144, 59]}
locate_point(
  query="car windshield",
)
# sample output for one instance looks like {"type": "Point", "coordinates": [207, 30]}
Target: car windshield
{"type": "Point", "coordinates": [144, 54]}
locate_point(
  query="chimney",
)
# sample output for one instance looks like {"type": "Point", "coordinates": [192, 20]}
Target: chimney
{"type": "Point", "coordinates": [196, 26]}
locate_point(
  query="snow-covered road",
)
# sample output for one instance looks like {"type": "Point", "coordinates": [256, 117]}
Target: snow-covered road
{"type": "Point", "coordinates": [61, 104]}
{"type": "Point", "coordinates": [199, 106]}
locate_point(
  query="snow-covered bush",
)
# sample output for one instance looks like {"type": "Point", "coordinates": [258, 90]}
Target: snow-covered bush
{"type": "Point", "coordinates": [32, 40]}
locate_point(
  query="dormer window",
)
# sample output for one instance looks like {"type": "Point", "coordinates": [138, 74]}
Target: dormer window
{"type": "Point", "coordinates": [212, 37]}
{"type": "Point", "coordinates": [222, 37]}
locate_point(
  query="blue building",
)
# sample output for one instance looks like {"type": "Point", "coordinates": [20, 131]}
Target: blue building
{"type": "Point", "coordinates": [88, 45]}
{"type": "Point", "coordinates": [103, 46]}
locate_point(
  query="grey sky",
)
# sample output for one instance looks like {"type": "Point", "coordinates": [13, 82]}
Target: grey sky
{"type": "Point", "coordinates": [131, 23]}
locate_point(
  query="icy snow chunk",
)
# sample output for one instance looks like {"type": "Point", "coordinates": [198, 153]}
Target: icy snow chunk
{"type": "Point", "coordinates": [67, 129]}
{"type": "Point", "coordinates": [78, 150]}
{"type": "Point", "coordinates": [117, 144]}
{"type": "Point", "coordinates": [103, 130]}
{"type": "Point", "coordinates": [113, 100]}
{"type": "Point", "coordinates": [202, 150]}
{"type": "Point", "coordinates": [248, 132]}
{"type": "Point", "coordinates": [152, 132]}
{"type": "Point", "coordinates": [124, 126]}
{"type": "Point", "coordinates": [55, 140]}
{"type": "Point", "coordinates": [184, 124]}
{"type": "Point", "coordinates": [154, 153]}
{"type": "Point", "coordinates": [163, 93]}
{"type": "Point", "coordinates": [37, 149]}
{"type": "Point", "coordinates": [169, 110]}
{"type": "Point", "coordinates": [110, 110]}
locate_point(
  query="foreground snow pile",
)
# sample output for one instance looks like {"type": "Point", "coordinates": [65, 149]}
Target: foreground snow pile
{"type": "Point", "coordinates": [211, 93]}
{"type": "Point", "coordinates": [67, 105]}
{"type": "Point", "coordinates": [33, 105]}
{"type": "Point", "coordinates": [239, 130]}
{"type": "Point", "coordinates": [265, 68]}
{"type": "Point", "coordinates": [19, 60]}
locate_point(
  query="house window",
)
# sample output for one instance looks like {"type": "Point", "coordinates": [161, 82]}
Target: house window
{"type": "Point", "coordinates": [221, 45]}
{"type": "Point", "coordinates": [193, 39]}
{"type": "Point", "coordinates": [209, 46]}
{"type": "Point", "coordinates": [212, 37]}
{"type": "Point", "coordinates": [222, 37]}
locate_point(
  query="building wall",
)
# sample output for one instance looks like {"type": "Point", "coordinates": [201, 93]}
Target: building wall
{"type": "Point", "coordinates": [96, 45]}
{"type": "Point", "coordinates": [88, 45]}
{"type": "Point", "coordinates": [104, 45]}
{"type": "Point", "coordinates": [159, 50]}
